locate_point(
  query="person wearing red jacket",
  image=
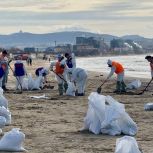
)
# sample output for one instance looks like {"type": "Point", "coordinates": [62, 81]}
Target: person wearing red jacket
{"type": "Point", "coordinates": [117, 68]}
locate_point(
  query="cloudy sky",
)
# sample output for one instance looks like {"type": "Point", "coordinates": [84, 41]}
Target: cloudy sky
{"type": "Point", "coordinates": [117, 17]}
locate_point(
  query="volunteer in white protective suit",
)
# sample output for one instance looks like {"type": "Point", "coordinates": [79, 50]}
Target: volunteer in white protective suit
{"type": "Point", "coordinates": [60, 72]}
{"type": "Point", "coordinates": [41, 71]}
{"type": "Point", "coordinates": [71, 64]}
{"type": "Point", "coordinates": [79, 77]}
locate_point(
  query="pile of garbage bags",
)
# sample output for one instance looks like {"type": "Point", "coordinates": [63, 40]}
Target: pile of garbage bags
{"type": "Point", "coordinates": [12, 140]}
{"type": "Point", "coordinates": [108, 116]}
{"type": "Point", "coordinates": [5, 114]}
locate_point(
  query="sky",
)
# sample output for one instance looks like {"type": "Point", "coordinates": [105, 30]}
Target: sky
{"type": "Point", "coordinates": [116, 17]}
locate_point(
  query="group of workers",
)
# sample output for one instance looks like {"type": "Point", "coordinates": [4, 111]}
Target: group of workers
{"type": "Point", "coordinates": [65, 70]}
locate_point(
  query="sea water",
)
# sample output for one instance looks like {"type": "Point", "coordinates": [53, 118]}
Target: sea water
{"type": "Point", "coordinates": [135, 65]}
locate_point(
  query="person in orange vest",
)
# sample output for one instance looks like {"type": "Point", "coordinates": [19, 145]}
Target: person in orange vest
{"type": "Point", "coordinates": [60, 72]}
{"type": "Point", "coordinates": [150, 60]}
{"type": "Point", "coordinates": [119, 70]}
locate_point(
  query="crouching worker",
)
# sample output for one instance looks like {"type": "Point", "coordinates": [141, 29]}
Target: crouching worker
{"type": "Point", "coordinates": [79, 77]}
{"type": "Point", "coordinates": [41, 71]}
{"type": "Point", "coordinates": [119, 70]}
{"type": "Point", "coordinates": [60, 73]}
{"type": "Point", "coordinates": [19, 73]}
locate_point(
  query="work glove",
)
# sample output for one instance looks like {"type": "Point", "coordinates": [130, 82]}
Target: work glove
{"type": "Point", "coordinates": [108, 77]}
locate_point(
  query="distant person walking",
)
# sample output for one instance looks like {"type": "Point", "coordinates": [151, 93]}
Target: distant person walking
{"type": "Point", "coordinates": [119, 70]}
{"type": "Point", "coordinates": [29, 60]}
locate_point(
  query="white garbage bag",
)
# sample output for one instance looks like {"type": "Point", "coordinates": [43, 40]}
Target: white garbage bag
{"type": "Point", "coordinates": [134, 84]}
{"type": "Point", "coordinates": [148, 107]}
{"type": "Point", "coordinates": [2, 122]}
{"type": "Point", "coordinates": [71, 89]}
{"type": "Point", "coordinates": [5, 113]}
{"type": "Point", "coordinates": [117, 121]}
{"type": "Point", "coordinates": [126, 144]}
{"type": "Point", "coordinates": [113, 111]}
{"type": "Point", "coordinates": [38, 82]}
{"type": "Point", "coordinates": [30, 82]}
{"type": "Point", "coordinates": [127, 125]}
{"type": "Point", "coordinates": [25, 84]}
{"type": "Point", "coordinates": [12, 141]}
{"type": "Point", "coordinates": [3, 100]}
{"type": "Point", "coordinates": [95, 114]}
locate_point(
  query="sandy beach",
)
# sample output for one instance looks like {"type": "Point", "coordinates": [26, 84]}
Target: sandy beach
{"type": "Point", "coordinates": [51, 125]}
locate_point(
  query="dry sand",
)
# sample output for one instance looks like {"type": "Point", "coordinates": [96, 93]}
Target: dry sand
{"type": "Point", "coordinates": [51, 126]}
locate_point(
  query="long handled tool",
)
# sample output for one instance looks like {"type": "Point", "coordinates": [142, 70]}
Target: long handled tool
{"type": "Point", "coordinates": [20, 92]}
{"type": "Point", "coordinates": [59, 76]}
{"type": "Point", "coordinates": [99, 88]}
{"type": "Point", "coordinates": [145, 87]}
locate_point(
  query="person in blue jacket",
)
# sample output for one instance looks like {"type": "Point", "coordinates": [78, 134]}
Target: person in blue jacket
{"type": "Point", "coordinates": [19, 72]}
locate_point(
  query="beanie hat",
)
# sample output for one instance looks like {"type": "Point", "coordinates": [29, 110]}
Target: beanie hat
{"type": "Point", "coordinates": [109, 62]}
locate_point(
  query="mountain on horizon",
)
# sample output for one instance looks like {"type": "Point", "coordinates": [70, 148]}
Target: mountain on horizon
{"type": "Point", "coordinates": [27, 39]}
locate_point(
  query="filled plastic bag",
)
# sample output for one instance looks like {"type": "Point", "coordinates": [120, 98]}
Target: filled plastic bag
{"type": "Point", "coordinates": [38, 82]}
{"type": "Point", "coordinates": [25, 84]}
{"type": "Point", "coordinates": [148, 106]}
{"type": "Point", "coordinates": [30, 82]}
{"type": "Point", "coordinates": [126, 144]}
{"type": "Point", "coordinates": [108, 116]}
{"type": "Point", "coordinates": [2, 121]}
{"type": "Point", "coordinates": [5, 113]}
{"type": "Point", "coordinates": [3, 100]}
{"type": "Point", "coordinates": [127, 125]}
{"type": "Point", "coordinates": [134, 84]}
{"type": "Point", "coordinates": [71, 89]}
{"type": "Point", "coordinates": [95, 114]}
{"type": "Point", "coordinates": [12, 141]}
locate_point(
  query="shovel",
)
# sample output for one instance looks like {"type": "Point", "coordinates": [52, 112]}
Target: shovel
{"type": "Point", "coordinates": [99, 88]}
{"type": "Point", "coordinates": [145, 87]}
{"type": "Point", "coordinates": [59, 76]}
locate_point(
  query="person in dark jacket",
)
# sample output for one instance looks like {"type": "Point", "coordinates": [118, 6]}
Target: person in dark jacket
{"type": "Point", "coordinates": [19, 72]}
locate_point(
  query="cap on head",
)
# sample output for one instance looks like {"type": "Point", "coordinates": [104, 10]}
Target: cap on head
{"type": "Point", "coordinates": [4, 52]}
{"type": "Point", "coordinates": [148, 57]}
{"type": "Point", "coordinates": [67, 55]}
{"type": "Point", "coordinates": [109, 62]}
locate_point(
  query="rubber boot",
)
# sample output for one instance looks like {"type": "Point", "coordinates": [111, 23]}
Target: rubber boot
{"type": "Point", "coordinates": [118, 87]}
{"type": "Point", "coordinates": [80, 94]}
{"type": "Point", "coordinates": [65, 86]}
{"type": "Point", "coordinates": [60, 89]}
{"type": "Point", "coordinates": [123, 87]}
